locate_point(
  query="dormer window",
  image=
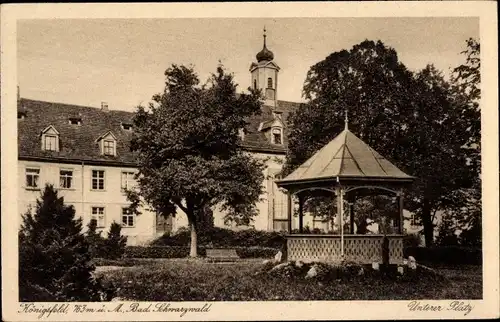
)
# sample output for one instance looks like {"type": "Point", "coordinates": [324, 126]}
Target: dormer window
{"type": "Point", "coordinates": [107, 144]}
{"type": "Point", "coordinates": [109, 147]}
{"type": "Point", "coordinates": [50, 143]}
{"type": "Point", "coordinates": [127, 126]}
{"type": "Point", "coordinates": [21, 115]}
{"type": "Point", "coordinates": [75, 121]}
{"type": "Point", "coordinates": [277, 136]}
{"type": "Point", "coordinates": [50, 139]}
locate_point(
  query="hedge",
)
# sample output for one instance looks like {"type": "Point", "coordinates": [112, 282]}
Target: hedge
{"type": "Point", "coordinates": [448, 255]}
{"type": "Point", "coordinates": [225, 238]}
{"type": "Point", "coordinates": [183, 251]}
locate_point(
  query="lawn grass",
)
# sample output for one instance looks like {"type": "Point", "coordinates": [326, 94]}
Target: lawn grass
{"type": "Point", "coordinates": [198, 280]}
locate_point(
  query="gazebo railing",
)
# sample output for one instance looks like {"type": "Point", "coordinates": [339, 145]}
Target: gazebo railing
{"type": "Point", "coordinates": [363, 249]}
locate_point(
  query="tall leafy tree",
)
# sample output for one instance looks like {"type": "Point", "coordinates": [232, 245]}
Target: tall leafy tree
{"type": "Point", "coordinates": [54, 257]}
{"type": "Point", "coordinates": [466, 79]}
{"type": "Point", "coordinates": [189, 152]}
{"type": "Point", "coordinates": [416, 120]}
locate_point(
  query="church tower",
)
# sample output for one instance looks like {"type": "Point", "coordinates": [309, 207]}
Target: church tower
{"type": "Point", "coordinates": [265, 75]}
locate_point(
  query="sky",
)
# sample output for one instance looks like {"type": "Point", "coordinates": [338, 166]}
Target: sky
{"type": "Point", "coordinates": [122, 61]}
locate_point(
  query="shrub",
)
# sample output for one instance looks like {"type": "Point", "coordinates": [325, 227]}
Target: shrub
{"type": "Point", "coordinates": [54, 257]}
{"type": "Point", "coordinates": [220, 237]}
{"type": "Point", "coordinates": [157, 251]}
{"type": "Point", "coordinates": [115, 243]}
{"type": "Point", "coordinates": [183, 251]}
{"type": "Point", "coordinates": [94, 240]}
{"type": "Point", "coordinates": [125, 262]}
{"type": "Point", "coordinates": [449, 255]}
{"type": "Point", "coordinates": [411, 240]}
{"type": "Point", "coordinates": [256, 252]}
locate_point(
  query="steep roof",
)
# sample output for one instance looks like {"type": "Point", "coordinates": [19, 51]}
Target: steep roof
{"type": "Point", "coordinates": [347, 156]}
{"type": "Point", "coordinates": [78, 142]}
{"type": "Point", "coordinates": [256, 140]}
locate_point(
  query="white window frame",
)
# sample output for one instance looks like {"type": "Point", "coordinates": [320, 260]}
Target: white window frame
{"type": "Point", "coordinates": [129, 181]}
{"type": "Point", "coordinates": [125, 213]}
{"type": "Point", "coordinates": [100, 217]}
{"type": "Point", "coordinates": [52, 140]}
{"type": "Point", "coordinates": [33, 174]}
{"type": "Point", "coordinates": [273, 135]}
{"type": "Point", "coordinates": [65, 177]}
{"type": "Point", "coordinates": [109, 150]}
{"type": "Point", "coordinates": [98, 179]}
{"type": "Point", "coordinates": [413, 220]}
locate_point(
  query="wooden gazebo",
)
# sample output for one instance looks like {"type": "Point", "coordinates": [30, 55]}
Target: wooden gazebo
{"type": "Point", "coordinates": [346, 168]}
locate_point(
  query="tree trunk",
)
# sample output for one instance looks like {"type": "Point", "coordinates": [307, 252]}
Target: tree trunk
{"type": "Point", "coordinates": [427, 222]}
{"type": "Point", "coordinates": [193, 252]}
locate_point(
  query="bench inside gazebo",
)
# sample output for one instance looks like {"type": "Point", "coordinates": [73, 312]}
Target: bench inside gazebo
{"type": "Point", "coordinates": [346, 169]}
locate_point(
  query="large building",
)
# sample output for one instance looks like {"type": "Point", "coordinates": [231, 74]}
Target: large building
{"type": "Point", "coordinates": [84, 152]}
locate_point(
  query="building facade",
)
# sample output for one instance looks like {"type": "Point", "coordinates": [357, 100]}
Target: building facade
{"type": "Point", "coordinates": [84, 152]}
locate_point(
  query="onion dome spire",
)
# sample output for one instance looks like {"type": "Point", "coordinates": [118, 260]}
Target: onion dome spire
{"type": "Point", "coordinates": [265, 54]}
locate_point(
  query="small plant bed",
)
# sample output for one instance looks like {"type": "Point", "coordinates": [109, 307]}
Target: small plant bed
{"type": "Point", "coordinates": [348, 271]}
{"type": "Point", "coordinates": [198, 280]}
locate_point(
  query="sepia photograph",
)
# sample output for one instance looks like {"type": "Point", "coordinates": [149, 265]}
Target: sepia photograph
{"type": "Point", "coordinates": [167, 165]}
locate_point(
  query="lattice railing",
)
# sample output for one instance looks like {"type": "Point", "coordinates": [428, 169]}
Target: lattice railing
{"type": "Point", "coordinates": [363, 249]}
{"type": "Point", "coordinates": [396, 250]}
{"type": "Point", "coordinates": [360, 249]}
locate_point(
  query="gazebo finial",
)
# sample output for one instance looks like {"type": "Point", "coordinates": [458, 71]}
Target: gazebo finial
{"type": "Point", "coordinates": [346, 121]}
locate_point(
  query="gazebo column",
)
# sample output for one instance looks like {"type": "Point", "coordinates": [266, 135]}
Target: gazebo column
{"type": "Point", "coordinates": [301, 214]}
{"type": "Point", "coordinates": [289, 212]}
{"type": "Point", "coordinates": [400, 207]}
{"type": "Point", "coordinates": [339, 193]}
{"type": "Point", "coordinates": [351, 214]}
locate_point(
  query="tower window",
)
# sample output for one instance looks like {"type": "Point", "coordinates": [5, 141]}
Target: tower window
{"type": "Point", "coordinates": [269, 82]}
{"type": "Point", "coordinates": [254, 84]}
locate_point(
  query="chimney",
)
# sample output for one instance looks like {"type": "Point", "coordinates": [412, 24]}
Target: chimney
{"type": "Point", "coordinates": [104, 106]}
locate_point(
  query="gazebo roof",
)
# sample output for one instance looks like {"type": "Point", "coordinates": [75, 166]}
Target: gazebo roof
{"type": "Point", "coordinates": [346, 156]}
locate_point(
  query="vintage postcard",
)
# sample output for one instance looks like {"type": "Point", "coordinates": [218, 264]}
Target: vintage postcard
{"type": "Point", "coordinates": [250, 161]}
